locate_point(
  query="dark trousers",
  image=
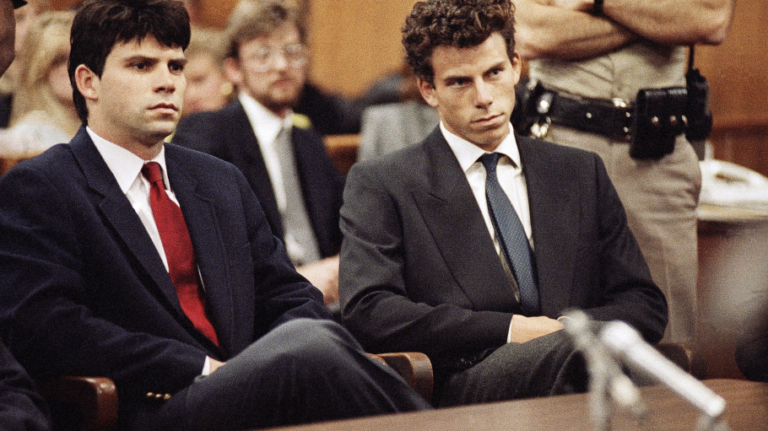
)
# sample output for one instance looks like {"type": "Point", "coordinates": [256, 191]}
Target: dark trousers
{"type": "Point", "coordinates": [302, 371]}
{"type": "Point", "coordinates": [21, 407]}
{"type": "Point", "coordinates": [548, 365]}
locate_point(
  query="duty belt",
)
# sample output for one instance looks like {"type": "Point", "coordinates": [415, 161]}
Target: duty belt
{"type": "Point", "coordinates": [650, 124]}
{"type": "Point", "coordinates": [610, 118]}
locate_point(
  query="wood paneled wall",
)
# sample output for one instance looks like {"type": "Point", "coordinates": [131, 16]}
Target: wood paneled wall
{"type": "Point", "coordinates": [355, 42]}
{"type": "Point", "coordinates": [738, 74]}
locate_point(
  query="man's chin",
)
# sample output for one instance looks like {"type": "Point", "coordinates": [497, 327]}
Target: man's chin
{"type": "Point", "coordinates": [161, 132]}
{"type": "Point", "coordinates": [282, 100]}
{"type": "Point", "coordinates": [489, 139]}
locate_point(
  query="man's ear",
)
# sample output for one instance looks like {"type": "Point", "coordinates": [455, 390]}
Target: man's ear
{"type": "Point", "coordinates": [427, 91]}
{"type": "Point", "coordinates": [88, 83]}
{"type": "Point", "coordinates": [233, 71]}
{"type": "Point", "coordinates": [517, 66]}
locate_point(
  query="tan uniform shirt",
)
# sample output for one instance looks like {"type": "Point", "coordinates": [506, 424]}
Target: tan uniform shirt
{"type": "Point", "coordinates": [619, 74]}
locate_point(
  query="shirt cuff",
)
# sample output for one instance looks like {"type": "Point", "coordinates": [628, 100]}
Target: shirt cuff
{"type": "Point", "coordinates": [206, 367]}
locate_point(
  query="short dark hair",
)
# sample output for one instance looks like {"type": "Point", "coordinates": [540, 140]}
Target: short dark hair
{"type": "Point", "coordinates": [254, 18]}
{"type": "Point", "coordinates": [100, 24]}
{"type": "Point", "coordinates": [457, 23]}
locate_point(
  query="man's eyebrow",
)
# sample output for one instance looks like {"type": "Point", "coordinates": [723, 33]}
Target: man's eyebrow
{"type": "Point", "coordinates": [497, 65]}
{"type": "Point", "coordinates": [455, 77]}
{"type": "Point", "coordinates": [147, 59]}
{"type": "Point", "coordinates": [142, 58]}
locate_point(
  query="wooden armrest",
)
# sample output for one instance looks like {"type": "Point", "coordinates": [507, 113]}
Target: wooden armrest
{"type": "Point", "coordinates": [684, 357]}
{"type": "Point", "coordinates": [96, 397]}
{"type": "Point", "coordinates": [414, 367]}
{"type": "Point", "coordinates": [342, 149]}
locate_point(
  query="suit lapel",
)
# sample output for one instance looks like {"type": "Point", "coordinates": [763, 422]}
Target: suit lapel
{"type": "Point", "coordinates": [200, 216]}
{"type": "Point", "coordinates": [553, 200]}
{"type": "Point", "coordinates": [453, 218]}
{"type": "Point", "coordinates": [119, 213]}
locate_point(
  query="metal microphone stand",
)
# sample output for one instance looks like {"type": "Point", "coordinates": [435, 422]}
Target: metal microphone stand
{"type": "Point", "coordinates": [607, 383]}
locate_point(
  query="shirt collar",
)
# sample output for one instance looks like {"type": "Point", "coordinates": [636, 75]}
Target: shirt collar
{"type": "Point", "coordinates": [265, 124]}
{"type": "Point", "coordinates": [467, 153]}
{"type": "Point", "coordinates": [125, 165]}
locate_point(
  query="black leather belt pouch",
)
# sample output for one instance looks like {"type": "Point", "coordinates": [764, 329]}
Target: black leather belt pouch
{"type": "Point", "coordinates": [526, 97]}
{"type": "Point", "coordinates": [698, 113]}
{"type": "Point", "coordinates": [659, 118]}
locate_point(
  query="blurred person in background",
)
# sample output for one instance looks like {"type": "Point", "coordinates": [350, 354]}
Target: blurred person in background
{"type": "Point", "coordinates": [282, 156]}
{"type": "Point", "coordinates": [391, 126]}
{"type": "Point", "coordinates": [23, 16]}
{"type": "Point", "coordinates": [21, 407]}
{"type": "Point", "coordinates": [43, 112]}
{"type": "Point", "coordinates": [752, 345]}
{"type": "Point", "coordinates": [208, 88]}
{"type": "Point", "coordinates": [7, 32]}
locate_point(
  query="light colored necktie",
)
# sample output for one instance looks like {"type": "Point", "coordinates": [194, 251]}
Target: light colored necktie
{"type": "Point", "coordinates": [300, 241]}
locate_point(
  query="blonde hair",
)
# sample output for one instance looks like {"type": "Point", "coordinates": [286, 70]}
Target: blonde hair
{"type": "Point", "coordinates": [207, 41]}
{"type": "Point", "coordinates": [8, 81]}
{"type": "Point", "coordinates": [45, 47]}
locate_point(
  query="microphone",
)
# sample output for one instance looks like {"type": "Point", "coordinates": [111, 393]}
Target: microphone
{"type": "Point", "coordinates": [625, 343]}
{"type": "Point", "coordinates": [607, 382]}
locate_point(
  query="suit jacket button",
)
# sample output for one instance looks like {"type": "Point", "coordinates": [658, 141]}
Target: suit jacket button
{"type": "Point", "coordinates": [167, 397]}
{"type": "Point", "coordinates": [150, 395]}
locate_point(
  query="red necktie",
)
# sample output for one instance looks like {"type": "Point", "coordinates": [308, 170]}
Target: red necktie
{"type": "Point", "coordinates": [178, 251]}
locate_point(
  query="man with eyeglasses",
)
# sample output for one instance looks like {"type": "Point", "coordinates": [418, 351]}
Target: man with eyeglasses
{"type": "Point", "coordinates": [282, 157]}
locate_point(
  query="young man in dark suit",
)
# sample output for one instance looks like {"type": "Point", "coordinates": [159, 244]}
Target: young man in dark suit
{"type": "Point", "coordinates": [471, 245]}
{"type": "Point", "coordinates": [155, 266]}
{"type": "Point", "coordinates": [281, 156]}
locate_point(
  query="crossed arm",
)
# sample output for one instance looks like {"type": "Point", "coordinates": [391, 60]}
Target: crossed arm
{"type": "Point", "coordinates": [566, 29]}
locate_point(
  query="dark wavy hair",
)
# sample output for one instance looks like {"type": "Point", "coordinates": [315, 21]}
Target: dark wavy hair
{"type": "Point", "coordinates": [100, 24]}
{"type": "Point", "coordinates": [457, 23]}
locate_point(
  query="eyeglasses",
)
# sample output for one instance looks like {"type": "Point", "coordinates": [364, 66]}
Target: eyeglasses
{"type": "Point", "coordinates": [264, 59]}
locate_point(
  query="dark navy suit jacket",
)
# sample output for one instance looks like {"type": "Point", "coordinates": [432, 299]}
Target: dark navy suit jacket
{"type": "Point", "coordinates": [419, 271]}
{"type": "Point", "coordinates": [228, 135]}
{"type": "Point", "coordinates": [83, 291]}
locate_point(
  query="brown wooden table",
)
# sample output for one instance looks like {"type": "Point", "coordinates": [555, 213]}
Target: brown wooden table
{"type": "Point", "coordinates": [747, 410]}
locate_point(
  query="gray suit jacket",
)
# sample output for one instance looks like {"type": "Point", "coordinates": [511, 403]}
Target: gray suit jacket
{"type": "Point", "coordinates": [393, 126]}
{"type": "Point", "coordinates": [419, 271]}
